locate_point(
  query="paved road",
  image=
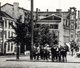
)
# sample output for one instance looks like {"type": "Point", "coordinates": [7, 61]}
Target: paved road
{"type": "Point", "coordinates": [30, 64]}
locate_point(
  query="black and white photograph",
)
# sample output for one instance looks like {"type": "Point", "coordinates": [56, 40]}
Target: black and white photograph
{"type": "Point", "coordinates": [39, 33]}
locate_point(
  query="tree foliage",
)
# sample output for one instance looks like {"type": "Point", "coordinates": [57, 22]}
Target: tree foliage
{"type": "Point", "coordinates": [22, 33]}
{"type": "Point", "coordinates": [43, 35]}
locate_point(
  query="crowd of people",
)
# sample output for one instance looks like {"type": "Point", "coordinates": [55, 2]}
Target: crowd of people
{"type": "Point", "coordinates": [55, 53]}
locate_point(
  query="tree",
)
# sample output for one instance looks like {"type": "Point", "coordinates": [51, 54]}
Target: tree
{"type": "Point", "coordinates": [54, 38]}
{"type": "Point", "coordinates": [43, 35]}
{"type": "Point", "coordinates": [23, 36]}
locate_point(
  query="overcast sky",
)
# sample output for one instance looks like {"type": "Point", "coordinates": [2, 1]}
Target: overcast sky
{"type": "Point", "coordinates": [52, 5]}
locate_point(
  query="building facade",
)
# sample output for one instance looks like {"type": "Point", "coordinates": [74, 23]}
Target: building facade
{"type": "Point", "coordinates": [61, 22]}
{"type": "Point", "coordinates": [53, 22]}
{"type": "Point", "coordinates": [14, 10]}
{"type": "Point", "coordinates": [6, 32]}
{"type": "Point", "coordinates": [78, 29]}
{"type": "Point", "coordinates": [66, 26]}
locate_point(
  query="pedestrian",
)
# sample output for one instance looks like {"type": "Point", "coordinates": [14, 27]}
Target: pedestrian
{"type": "Point", "coordinates": [34, 52]}
{"type": "Point", "coordinates": [59, 53]}
{"type": "Point", "coordinates": [63, 51]}
{"type": "Point", "coordinates": [53, 52]}
{"type": "Point", "coordinates": [41, 51]}
{"type": "Point", "coordinates": [37, 52]}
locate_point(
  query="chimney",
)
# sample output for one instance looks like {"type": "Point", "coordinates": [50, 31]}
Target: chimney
{"type": "Point", "coordinates": [36, 9]}
{"type": "Point", "coordinates": [39, 10]}
{"type": "Point", "coordinates": [58, 10]}
{"type": "Point", "coordinates": [16, 10]}
{"type": "Point", "coordinates": [36, 13]}
{"type": "Point", "coordinates": [47, 10]}
{"type": "Point", "coordinates": [0, 6]}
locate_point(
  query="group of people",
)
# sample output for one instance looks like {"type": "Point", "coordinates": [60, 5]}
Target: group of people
{"type": "Point", "coordinates": [54, 53]}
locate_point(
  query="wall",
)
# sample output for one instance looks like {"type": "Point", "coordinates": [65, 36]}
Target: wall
{"type": "Point", "coordinates": [8, 9]}
{"type": "Point", "coordinates": [61, 33]}
{"type": "Point", "coordinates": [7, 47]}
{"type": "Point", "coordinates": [14, 10]}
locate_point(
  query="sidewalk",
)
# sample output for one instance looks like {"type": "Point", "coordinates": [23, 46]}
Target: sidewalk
{"type": "Point", "coordinates": [25, 62]}
{"type": "Point", "coordinates": [73, 58]}
{"type": "Point", "coordinates": [70, 59]}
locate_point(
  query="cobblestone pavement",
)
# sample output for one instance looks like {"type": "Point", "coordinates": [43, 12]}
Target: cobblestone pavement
{"type": "Point", "coordinates": [73, 62]}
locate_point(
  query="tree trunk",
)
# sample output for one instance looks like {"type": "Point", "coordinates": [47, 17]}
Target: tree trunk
{"type": "Point", "coordinates": [31, 54]}
{"type": "Point", "coordinates": [17, 52]}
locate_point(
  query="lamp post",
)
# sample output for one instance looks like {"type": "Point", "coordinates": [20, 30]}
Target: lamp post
{"type": "Point", "coordinates": [32, 27]}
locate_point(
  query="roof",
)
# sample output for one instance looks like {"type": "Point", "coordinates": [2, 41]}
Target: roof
{"type": "Point", "coordinates": [3, 14]}
{"type": "Point", "coordinates": [63, 14]}
{"type": "Point", "coordinates": [52, 17]}
{"type": "Point", "coordinates": [51, 12]}
{"type": "Point", "coordinates": [12, 5]}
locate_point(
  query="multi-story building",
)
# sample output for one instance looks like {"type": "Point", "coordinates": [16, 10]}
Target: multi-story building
{"type": "Point", "coordinates": [61, 22]}
{"type": "Point", "coordinates": [53, 22]}
{"type": "Point", "coordinates": [6, 32]}
{"type": "Point", "coordinates": [66, 26]}
{"type": "Point", "coordinates": [78, 29]}
{"type": "Point", "coordinates": [14, 10]}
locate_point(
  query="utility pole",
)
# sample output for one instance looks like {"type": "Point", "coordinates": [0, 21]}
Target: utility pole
{"type": "Point", "coordinates": [32, 28]}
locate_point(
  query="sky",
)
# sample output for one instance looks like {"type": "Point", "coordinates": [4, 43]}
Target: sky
{"type": "Point", "coordinates": [52, 5]}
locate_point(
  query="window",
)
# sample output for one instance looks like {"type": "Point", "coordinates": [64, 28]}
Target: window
{"type": "Point", "coordinates": [8, 34]}
{"type": "Point", "coordinates": [8, 46]}
{"type": "Point", "coordinates": [67, 23]}
{"type": "Point", "coordinates": [14, 49]}
{"type": "Point", "coordinates": [11, 46]}
{"type": "Point", "coordinates": [54, 26]}
{"type": "Point", "coordinates": [0, 24]}
{"type": "Point", "coordinates": [1, 34]}
{"type": "Point", "coordinates": [0, 18]}
{"type": "Point", "coordinates": [9, 24]}
{"type": "Point", "coordinates": [37, 25]}
{"type": "Point", "coordinates": [5, 34]}
{"type": "Point", "coordinates": [12, 34]}
{"type": "Point", "coordinates": [5, 23]}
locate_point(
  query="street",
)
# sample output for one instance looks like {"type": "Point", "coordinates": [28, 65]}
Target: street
{"type": "Point", "coordinates": [24, 62]}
